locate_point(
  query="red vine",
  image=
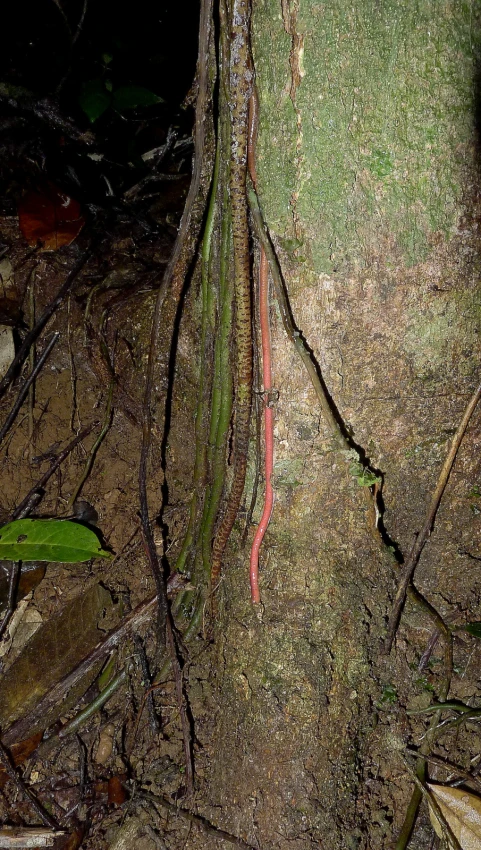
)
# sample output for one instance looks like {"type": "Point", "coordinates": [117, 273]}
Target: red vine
{"type": "Point", "coordinates": [266, 372]}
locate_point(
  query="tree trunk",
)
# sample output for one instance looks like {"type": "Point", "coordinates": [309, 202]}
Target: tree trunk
{"type": "Point", "coordinates": [368, 179]}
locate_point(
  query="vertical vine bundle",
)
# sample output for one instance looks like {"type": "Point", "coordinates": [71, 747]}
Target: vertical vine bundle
{"type": "Point", "coordinates": [240, 81]}
{"type": "Point", "coordinates": [226, 301]}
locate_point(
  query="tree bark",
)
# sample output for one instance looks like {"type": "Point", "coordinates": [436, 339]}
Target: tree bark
{"type": "Point", "coordinates": [368, 178]}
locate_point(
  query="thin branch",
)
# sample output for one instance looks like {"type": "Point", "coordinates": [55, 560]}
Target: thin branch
{"type": "Point", "coordinates": [19, 512]}
{"type": "Point", "coordinates": [38, 328]}
{"type": "Point", "coordinates": [21, 728]}
{"type": "Point", "coordinates": [26, 386]}
{"type": "Point", "coordinates": [146, 682]}
{"type": "Point", "coordinates": [203, 823]}
{"type": "Point", "coordinates": [14, 575]}
{"type": "Point", "coordinates": [415, 553]}
{"type": "Point", "coordinates": [93, 451]}
{"type": "Point", "coordinates": [12, 774]}
{"type": "Point", "coordinates": [448, 766]}
{"type": "Point", "coordinates": [182, 707]}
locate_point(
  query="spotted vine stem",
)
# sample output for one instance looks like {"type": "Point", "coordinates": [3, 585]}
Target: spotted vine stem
{"type": "Point", "coordinates": [240, 76]}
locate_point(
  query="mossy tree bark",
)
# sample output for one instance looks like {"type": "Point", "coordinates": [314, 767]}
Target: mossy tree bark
{"type": "Point", "coordinates": [368, 178]}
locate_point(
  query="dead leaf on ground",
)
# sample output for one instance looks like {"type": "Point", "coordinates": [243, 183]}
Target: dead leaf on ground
{"type": "Point", "coordinates": [462, 812]}
{"type": "Point", "coordinates": [31, 575]}
{"type": "Point", "coordinates": [55, 649]}
{"type": "Point", "coordinates": [49, 217]}
{"type": "Point", "coordinates": [19, 753]}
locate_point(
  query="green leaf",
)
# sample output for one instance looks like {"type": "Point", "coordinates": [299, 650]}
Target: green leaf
{"type": "Point", "coordinates": [473, 628]}
{"type": "Point", "coordinates": [130, 97]}
{"type": "Point", "coordinates": [94, 99]}
{"type": "Point", "coordinates": [49, 540]}
{"type": "Point", "coordinates": [365, 476]}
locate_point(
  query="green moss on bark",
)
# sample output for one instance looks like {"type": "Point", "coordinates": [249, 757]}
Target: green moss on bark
{"type": "Point", "coordinates": [375, 134]}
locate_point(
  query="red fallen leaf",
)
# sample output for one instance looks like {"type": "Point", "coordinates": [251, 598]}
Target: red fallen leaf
{"type": "Point", "coordinates": [19, 753]}
{"type": "Point", "coordinates": [50, 217]}
{"type": "Point", "coordinates": [116, 793]}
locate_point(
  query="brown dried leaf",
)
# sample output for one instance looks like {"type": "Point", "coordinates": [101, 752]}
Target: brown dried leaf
{"type": "Point", "coordinates": [117, 794]}
{"type": "Point", "coordinates": [49, 217]}
{"type": "Point", "coordinates": [30, 576]}
{"type": "Point", "coordinates": [19, 753]}
{"type": "Point", "coordinates": [57, 647]}
{"type": "Point", "coordinates": [462, 812]}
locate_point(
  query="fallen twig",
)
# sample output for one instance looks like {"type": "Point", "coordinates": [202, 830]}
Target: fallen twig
{"type": "Point", "coordinates": [12, 774]}
{"type": "Point", "coordinates": [26, 386]}
{"type": "Point", "coordinates": [37, 330]}
{"type": "Point", "coordinates": [93, 451]}
{"type": "Point", "coordinates": [203, 823]}
{"type": "Point", "coordinates": [19, 512]}
{"type": "Point", "coordinates": [415, 553]}
{"type": "Point", "coordinates": [20, 730]}
{"type": "Point", "coordinates": [24, 836]}
{"type": "Point", "coordinates": [182, 707]}
{"type": "Point", "coordinates": [448, 767]}
{"type": "Point", "coordinates": [146, 682]}
{"type": "Point", "coordinates": [14, 575]}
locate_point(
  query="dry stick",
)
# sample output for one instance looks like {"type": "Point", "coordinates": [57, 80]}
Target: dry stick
{"type": "Point", "coordinates": [12, 774]}
{"type": "Point", "coordinates": [93, 451]}
{"type": "Point", "coordinates": [32, 356]}
{"type": "Point", "coordinates": [181, 704]}
{"type": "Point", "coordinates": [166, 639]}
{"type": "Point", "coordinates": [18, 513]}
{"type": "Point", "coordinates": [425, 749]}
{"type": "Point", "coordinates": [425, 532]}
{"type": "Point", "coordinates": [203, 823]}
{"type": "Point", "coordinates": [27, 836]}
{"type": "Point", "coordinates": [448, 835]}
{"type": "Point", "coordinates": [448, 766]}
{"type": "Point", "coordinates": [146, 682]}
{"type": "Point", "coordinates": [37, 330]}
{"type": "Point", "coordinates": [26, 386]}
{"type": "Point", "coordinates": [15, 570]}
